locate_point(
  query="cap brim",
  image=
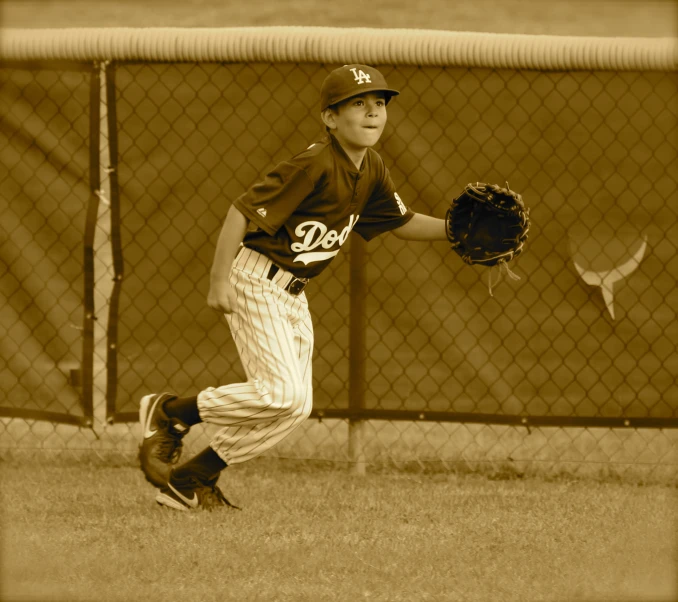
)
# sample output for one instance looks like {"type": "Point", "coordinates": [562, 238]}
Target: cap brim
{"type": "Point", "coordinates": [389, 91]}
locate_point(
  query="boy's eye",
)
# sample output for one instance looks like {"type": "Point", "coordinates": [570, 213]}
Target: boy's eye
{"type": "Point", "coordinates": [360, 103]}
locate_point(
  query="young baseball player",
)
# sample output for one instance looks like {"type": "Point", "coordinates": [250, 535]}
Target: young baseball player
{"type": "Point", "coordinates": [277, 236]}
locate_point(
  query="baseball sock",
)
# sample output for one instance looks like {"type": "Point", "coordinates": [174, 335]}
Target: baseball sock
{"type": "Point", "coordinates": [184, 408]}
{"type": "Point", "coordinates": [206, 465]}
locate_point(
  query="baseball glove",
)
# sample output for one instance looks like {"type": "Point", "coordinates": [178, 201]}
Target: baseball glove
{"type": "Point", "coordinates": [488, 225]}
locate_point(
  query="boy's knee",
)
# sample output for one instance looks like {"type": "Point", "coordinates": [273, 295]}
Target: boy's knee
{"type": "Point", "coordinates": [294, 403]}
{"type": "Point", "coordinates": [305, 409]}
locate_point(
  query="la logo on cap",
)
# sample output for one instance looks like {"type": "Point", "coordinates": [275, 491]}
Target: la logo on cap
{"type": "Point", "coordinates": [360, 76]}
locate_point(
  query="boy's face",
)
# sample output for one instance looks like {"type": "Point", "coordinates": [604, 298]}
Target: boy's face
{"type": "Point", "coordinates": [359, 121]}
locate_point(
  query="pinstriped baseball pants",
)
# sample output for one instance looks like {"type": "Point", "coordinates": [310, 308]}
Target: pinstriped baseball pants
{"type": "Point", "coordinates": [273, 333]}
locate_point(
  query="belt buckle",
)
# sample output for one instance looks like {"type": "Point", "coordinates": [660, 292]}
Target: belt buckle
{"type": "Point", "coordinates": [296, 286]}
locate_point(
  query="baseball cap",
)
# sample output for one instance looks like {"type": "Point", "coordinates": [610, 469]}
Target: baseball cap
{"type": "Point", "coordinates": [351, 80]}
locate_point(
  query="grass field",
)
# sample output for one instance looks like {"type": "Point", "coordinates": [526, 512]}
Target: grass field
{"type": "Point", "coordinates": [91, 532]}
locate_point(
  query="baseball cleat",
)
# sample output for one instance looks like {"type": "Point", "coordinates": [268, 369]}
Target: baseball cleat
{"type": "Point", "coordinates": [161, 445]}
{"type": "Point", "coordinates": [191, 493]}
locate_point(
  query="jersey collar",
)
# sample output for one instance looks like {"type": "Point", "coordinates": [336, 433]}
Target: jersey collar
{"type": "Point", "coordinates": [345, 159]}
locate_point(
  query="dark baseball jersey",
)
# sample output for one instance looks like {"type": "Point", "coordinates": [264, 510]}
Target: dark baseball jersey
{"type": "Point", "coordinates": [306, 207]}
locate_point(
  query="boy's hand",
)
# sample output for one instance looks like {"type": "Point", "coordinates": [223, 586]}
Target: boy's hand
{"type": "Point", "coordinates": [221, 297]}
{"type": "Point", "coordinates": [487, 224]}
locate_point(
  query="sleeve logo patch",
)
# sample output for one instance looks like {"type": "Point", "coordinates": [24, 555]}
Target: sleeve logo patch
{"type": "Point", "coordinates": [401, 205]}
{"type": "Point", "coordinates": [261, 211]}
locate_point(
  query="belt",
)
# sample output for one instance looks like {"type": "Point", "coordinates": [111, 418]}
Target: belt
{"type": "Point", "coordinates": [294, 286]}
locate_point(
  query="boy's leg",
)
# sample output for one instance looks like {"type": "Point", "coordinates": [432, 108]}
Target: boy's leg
{"type": "Point", "coordinates": [194, 484]}
{"type": "Point", "coordinates": [184, 409]}
{"type": "Point", "coordinates": [273, 332]}
{"type": "Point", "coordinates": [250, 429]}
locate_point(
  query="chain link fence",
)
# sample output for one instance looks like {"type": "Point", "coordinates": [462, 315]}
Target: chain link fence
{"type": "Point", "coordinates": [572, 368]}
{"type": "Point", "coordinates": [44, 152]}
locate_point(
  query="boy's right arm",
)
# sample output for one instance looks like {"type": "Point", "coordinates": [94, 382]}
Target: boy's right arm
{"type": "Point", "coordinates": [221, 295]}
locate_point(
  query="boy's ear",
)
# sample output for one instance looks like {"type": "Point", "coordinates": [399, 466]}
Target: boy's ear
{"type": "Point", "coordinates": [329, 118]}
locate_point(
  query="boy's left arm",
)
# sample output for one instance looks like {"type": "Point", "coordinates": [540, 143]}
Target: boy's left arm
{"type": "Point", "coordinates": [422, 227]}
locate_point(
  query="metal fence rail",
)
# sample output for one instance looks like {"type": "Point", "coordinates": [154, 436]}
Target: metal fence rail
{"type": "Point", "coordinates": [404, 331]}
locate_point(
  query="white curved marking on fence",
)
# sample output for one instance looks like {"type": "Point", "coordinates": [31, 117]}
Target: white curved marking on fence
{"type": "Point", "coordinates": [606, 279]}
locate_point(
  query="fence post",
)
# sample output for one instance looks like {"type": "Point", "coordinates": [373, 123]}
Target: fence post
{"type": "Point", "coordinates": [101, 256]}
{"type": "Point", "coordinates": [357, 353]}
{"type": "Point", "coordinates": [88, 246]}
{"type": "Point", "coordinates": [116, 246]}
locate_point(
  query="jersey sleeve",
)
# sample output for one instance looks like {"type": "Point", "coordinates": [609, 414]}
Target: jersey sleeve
{"type": "Point", "coordinates": [384, 211]}
{"type": "Point", "coordinates": [268, 204]}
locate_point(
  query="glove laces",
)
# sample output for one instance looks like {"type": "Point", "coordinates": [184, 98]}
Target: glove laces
{"type": "Point", "coordinates": [502, 266]}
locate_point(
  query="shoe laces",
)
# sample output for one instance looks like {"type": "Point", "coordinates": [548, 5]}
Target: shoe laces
{"type": "Point", "coordinates": [214, 496]}
{"type": "Point", "coordinates": [222, 498]}
{"type": "Point", "coordinates": [169, 448]}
